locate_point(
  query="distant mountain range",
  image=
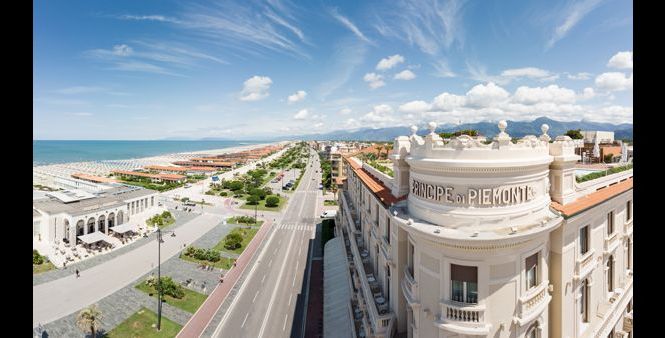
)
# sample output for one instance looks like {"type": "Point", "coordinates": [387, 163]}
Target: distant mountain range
{"type": "Point", "coordinates": [488, 129]}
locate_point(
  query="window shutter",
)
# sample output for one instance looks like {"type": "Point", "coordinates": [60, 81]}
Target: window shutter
{"type": "Point", "coordinates": [464, 273]}
{"type": "Point", "coordinates": [531, 261]}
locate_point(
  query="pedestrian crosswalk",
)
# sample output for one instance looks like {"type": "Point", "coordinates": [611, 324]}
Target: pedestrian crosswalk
{"type": "Point", "coordinates": [291, 226]}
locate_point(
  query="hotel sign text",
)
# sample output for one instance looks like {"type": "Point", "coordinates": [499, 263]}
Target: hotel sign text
{"type": "Point", "coordinates": [497, 196]}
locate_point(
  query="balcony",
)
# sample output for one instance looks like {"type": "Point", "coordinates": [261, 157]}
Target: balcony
{"type": "Point", "coordinates": [410, 288]}
{"type": "Point", "coordinates": [629, 228]}
{"type": "Point", "coordinates": [386, 251]}
{"type": "Point", "coordinates": [532, 304]}
{"type": "Point", "coordinates": [463, 318]}
{"type": "Point", "coordinates": [370, 292]}
{"type": "Point", "coordinates": [584, 265]}
{"type": "Point", "coordinates": [613, 310]}
{"type": "Point", "coordinates": [611, 242]}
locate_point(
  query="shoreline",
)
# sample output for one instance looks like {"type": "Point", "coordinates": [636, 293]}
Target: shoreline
{"type": "Point", "coordinates": [103, 167]}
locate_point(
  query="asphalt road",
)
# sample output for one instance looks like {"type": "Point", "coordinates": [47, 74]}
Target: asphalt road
{"type": "Point", "coordinates": [266, 302]}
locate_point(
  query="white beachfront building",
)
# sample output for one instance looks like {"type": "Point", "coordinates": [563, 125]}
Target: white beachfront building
{"type": "Point", "coordinates": [62, 216]}
{"type": "Point", "coordinates": [486, 239]}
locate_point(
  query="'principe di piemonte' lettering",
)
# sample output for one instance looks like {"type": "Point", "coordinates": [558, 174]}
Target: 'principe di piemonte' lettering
{"type": "Point", "coordinates": [497, 196]}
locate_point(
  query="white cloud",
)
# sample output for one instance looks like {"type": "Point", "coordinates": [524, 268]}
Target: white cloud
{"type": "Point", "coordinates": [297, 96]}
{"type": "Point", "coordinates": [530, 72]}
{"type": "Point", "coordinates": [485, 95]}
{"type": "Point", "coordinates": [614, 81]}
{"type": "Point", "coordinates": [579, 76]}
{"type": "Point", "coordinates": [389, 62]}
{"type": "Point", "coordinates": [301, 114]}
{"type": "Point", "coordinates": [405, 75]}
{"type": "Point", "coordinates": [380, 115]}
{"type": "Point", "coordinates": [374, 80]}
{"type": "Point", "coordinates": [551, 93]}
{"type": "Point", "coordinates": [442, 70]}
{"type": "Point", "coordinates": [587, 93]}
{"type": "Point", "coordinates": [428, 24]}
{"type": "Point", "coordinates": [79, 90]}
{"type": "Point", "coordinates": [256, 88]}
{"type": "Point", "coordinates": [414, 107]}
{"type": "Point", "coordinates": [160, 18]}
{"type": "Point", "coordinates": [621, 60]}
{"type": "Point", "coordinates": [348, 24]}
{"type": "Point", "coordinates": [344, 111]}
{"type": "Point", "coordinates": [447, 101]}
{"type": "Point", "coordinates": [122, 50]}
{"type": "Point", "coordinates": [573, 15]}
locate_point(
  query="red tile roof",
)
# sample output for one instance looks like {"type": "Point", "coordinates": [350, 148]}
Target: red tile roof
{"type": "Point", "coordinates": [375, 185]}
{"type": "Point", "coordinates": [595, 198]}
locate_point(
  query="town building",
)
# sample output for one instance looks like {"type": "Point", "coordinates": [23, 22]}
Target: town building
{"type": "Point", "coordinates": [469, 239]}
{"type": "Point", "coordinates": [62, 216]}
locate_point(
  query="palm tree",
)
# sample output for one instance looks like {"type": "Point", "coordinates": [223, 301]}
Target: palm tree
{"type": "Point", "coordinates": [389, 148]}
{"type": "Point", "coordinates": [379, 148]}
{"type": "Point", "coordinates": [89, 319]}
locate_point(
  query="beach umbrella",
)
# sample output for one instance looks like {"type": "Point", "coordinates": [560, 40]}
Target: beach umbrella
{"type": "Point", "coordinates": [596, 149]}
{"type": "Point", "coordinates": [624, 153]}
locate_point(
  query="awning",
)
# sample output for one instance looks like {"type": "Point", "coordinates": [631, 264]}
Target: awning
{"type": "Point", "coordinates": [95, 237]}
{"type": "Point", "coordinates": [337, 319]}
{"type": "Point", "coordinates": [121, 229]}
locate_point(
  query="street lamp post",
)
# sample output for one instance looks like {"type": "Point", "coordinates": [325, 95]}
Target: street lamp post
{"type": "Point", "coordinates": [255, 211]}
{"type": "Point", "coordinates": [159, 277]}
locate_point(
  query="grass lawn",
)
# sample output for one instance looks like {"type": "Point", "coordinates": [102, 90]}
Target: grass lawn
{"type": "Point", "coordinates": [46, 266]}
{"type": "Point", "coordinates": [262, 205]}
{"type": "Point", "coordinates": [223, 263]}
{"type": "Point", "coordinates": [233, 220]}
{"type": "Point", "coordinates": [247, 235]}
{"type": "Point", "coordinates": [329, 202]}
{"type": "Point", "coordinates": [153, 186]}
{"type": "Point", "coordinates": [190, 302]}
{"type": "Point", "coordinates": [140, 325]}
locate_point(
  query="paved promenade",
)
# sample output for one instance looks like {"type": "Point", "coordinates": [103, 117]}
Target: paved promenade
{"type": "Point", "coordinates": [61, 297]}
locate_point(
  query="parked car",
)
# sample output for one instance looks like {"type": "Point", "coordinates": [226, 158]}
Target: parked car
{"type": "Point", "coordinates": [329, 214]}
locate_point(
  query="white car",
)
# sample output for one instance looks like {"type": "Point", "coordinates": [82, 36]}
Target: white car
{"type": "Point", "coordinates": [329, 214]}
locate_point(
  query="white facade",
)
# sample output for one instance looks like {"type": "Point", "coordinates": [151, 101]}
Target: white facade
{"type": "Point", "coordinates": [601, 136]}
{"type": "Point", "coordinates": [465, 240]}
{"type": "Point", "coordinates": [55, 220]}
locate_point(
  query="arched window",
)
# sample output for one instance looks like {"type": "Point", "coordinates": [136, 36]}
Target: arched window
{"type": "Point", "coordinates": [532, 332]}
{"type": "Point", "coordinates": [610, 274]}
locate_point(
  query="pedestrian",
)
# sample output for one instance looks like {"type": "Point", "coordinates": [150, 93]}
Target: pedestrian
{"type": "Point", "coordinates": [64, 264]}
{"type": "Point", "coordinates": [77, 273]}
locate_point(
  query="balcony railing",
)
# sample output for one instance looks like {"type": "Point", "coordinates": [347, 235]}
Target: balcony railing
{"type": "Point", "coordinates": [584, 265]}
{"type": "Point", "coordinates": [410, 288]}
{"type": "Point", "coordinates": [463, 318]}
{"type": "Point", "coordinates": [379, 322]}
{"type": "Point", "coordinates": [386, 251]}
{"type": "Point", "coordinates": [611, 243]}
{"type": "Point", "coordinates": [615, 309]}
{"type": "Point", "coordinates": [533, 303]}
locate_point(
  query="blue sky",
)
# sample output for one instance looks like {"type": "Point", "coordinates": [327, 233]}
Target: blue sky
{"type": "Point", "coordinates": [254, 69]}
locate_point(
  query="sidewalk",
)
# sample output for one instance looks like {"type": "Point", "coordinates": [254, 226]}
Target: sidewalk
{"type": "Point", "coordinates": [199, 321]}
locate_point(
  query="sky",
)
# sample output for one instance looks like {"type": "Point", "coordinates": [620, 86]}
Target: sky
{"type": "Point", "coordinates": [141, 70]}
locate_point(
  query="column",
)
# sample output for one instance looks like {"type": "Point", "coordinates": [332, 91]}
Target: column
{"type": "Point", "coordinates": [85, 227]}
{"type": "Point", "coordinates": [106, 224]}
{"type": "Point", "coordinates": [72, 234]}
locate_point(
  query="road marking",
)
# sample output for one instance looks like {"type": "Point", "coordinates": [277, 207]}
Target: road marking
{"type": "Point", "coordinates": [299, 250]}
{"type": "Point", "coordinates": [243, 322]}
{"type": "Point", "coordinates": [290, 296]}
{"type": "Point", "coordinates": [285, 318]}
{"type": "Point", "coordinates": [294, 281]}
{"type": "Point", "coordinates": [264, 278]}
{"type": "Point", "coordinates": [298, 264]}
{"type": "Point", "coordinates": [253, 299]}
{"type": "Point", "coordinates": [274, 292]}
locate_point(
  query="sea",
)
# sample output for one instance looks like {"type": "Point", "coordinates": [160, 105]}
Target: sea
{"type": "Point", "coordinates": [51, 151]}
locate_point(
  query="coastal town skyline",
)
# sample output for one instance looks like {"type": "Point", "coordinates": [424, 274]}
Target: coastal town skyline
{"type": "Point", "coordinates": [278, 68]}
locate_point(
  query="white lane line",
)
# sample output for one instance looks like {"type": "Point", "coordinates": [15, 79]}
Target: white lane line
{"type": "Point", "coordinates": [243, 322]}
{"type": "Point", "coordinates": [290, 296]}
{"type": "Point", "coordinates": [253, 299]}
{"type": "Point", "coordinates": [274, 292]}
{"type": "Point", "coordinates": [264, 278]}
{"type": "Point", "coordinates": [299, 250]}
{"type": "Point", "coordinates": [270, 263]}
{"type": "Point", "coordinates": [285, 318]}
{"type": "Point", "coordinates": [228, 312]}
{"type": "Point", "coordinates": [297, 265]}
{"type": "Point", "coordinates": [294, 280]}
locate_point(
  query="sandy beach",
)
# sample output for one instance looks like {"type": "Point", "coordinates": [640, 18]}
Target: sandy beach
{"type": "Point", "coordinates": [103, 168]}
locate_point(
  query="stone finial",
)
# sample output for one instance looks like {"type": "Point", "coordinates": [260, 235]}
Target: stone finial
{"type": "Point", "coordinates": [544, 136]}
{"type": "Point", "coordinates": [432, 127]}
{"type": "Point", "coordinates": [414, 129]}
{"type": "Point", "coordinates": [502, 125]}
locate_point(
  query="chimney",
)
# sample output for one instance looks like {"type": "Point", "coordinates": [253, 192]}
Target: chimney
{"type": "Point", "coordinates": [562, 170]}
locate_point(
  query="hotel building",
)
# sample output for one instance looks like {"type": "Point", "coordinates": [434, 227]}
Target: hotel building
{"type": "Point", "coordinates": [485, 239]}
